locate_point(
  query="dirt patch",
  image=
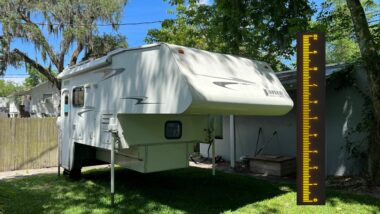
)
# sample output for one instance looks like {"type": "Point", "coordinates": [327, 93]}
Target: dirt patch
{"type": "Point", "coordinates": [30, 172]}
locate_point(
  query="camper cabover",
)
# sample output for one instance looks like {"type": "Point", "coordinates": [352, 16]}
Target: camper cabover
{"type": "Point", "coordinates": [144, 108]}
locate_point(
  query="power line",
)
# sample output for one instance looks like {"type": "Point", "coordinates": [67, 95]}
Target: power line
{"type": "Point", "coordinates": [134, 23]}
{"type": "Point", "coordinates": [14, 75]}
{"type": "Point", "coordinates": [99, 25]}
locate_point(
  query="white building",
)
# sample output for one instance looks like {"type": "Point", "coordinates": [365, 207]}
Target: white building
{"type": "Point", "coordinates": [44, 100]}
{"type": "Point", "coordinates": [4, 109]}
{"type": "Point", "coordinates": [15, 104]}
{"type": "Point", "coordinates": [344, 106]}
{"type": "Point", "coordinates": [40, 101]}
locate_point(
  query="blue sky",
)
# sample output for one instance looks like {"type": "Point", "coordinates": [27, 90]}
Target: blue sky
{"type": "Point", "coordinates": [135, 11]}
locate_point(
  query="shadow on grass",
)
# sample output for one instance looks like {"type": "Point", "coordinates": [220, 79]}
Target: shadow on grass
{"type": "Point", "coordinates": [191, 190]}
{"type": "Point", "coordinates": [188, 190]}
{"type": "Point", "coordinates": [337, 199]}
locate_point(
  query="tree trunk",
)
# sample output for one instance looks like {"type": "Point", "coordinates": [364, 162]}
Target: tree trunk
{"type": "Point", "coordinates": [371, 63]}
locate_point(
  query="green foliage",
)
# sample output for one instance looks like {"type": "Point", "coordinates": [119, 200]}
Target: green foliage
{"type": "Point", "coordinates": [262, 30]}
{"type": "Point", "coordinates": [190, 27]}
{"type": "Point", "coordinates": [8, 87]}
{"type": "Point", "coordinates": [102, 44]}
{"type": "Point", "coordinates": [335, 20]}
{"type": "Point", "coordinates": [71, 22]}
{"type": "Point", "coordinates": [342, 50]}
{"type": "Point", "coordinates": [34, 78]}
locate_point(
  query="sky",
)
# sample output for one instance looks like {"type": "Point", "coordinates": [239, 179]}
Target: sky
{"type": "Point", "coordinates": [134, 11]}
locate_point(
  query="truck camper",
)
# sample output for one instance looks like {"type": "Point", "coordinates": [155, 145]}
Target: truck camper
{"type": "Point", "coordinates": [145, 108]}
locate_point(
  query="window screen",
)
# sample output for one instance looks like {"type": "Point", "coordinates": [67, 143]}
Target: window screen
{"type": "Point", "coordinates": [78, 97]}
{"type": "Point", "coordinates": [173, 130]}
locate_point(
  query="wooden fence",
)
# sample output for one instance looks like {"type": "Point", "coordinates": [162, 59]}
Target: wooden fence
{"type": "Point", "coordinates": [28, 143]}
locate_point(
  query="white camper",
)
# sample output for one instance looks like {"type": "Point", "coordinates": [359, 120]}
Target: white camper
{"type": "Point", "coordinates": [146, 107]}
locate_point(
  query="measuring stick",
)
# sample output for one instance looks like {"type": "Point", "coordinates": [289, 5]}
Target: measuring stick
{"type": "Point", "coordinates": [311, 119]}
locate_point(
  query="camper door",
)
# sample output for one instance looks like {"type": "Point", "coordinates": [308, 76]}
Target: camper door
{"type": "Point", "coordinates": [77, 113]}
{"type": "Point", "coordinates": [65, 129]}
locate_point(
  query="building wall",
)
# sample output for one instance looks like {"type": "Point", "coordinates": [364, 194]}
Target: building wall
{"type": "Point", "coordinates": [343, 112]}
{"type": "Point", "coordinates": [40, 107]}
{"type": "Point", "coordinates": [13, 107]}
{"type": "Point", "coordinates": [4, 106]}
{"type": "Point", "coordinates": [3, 102]}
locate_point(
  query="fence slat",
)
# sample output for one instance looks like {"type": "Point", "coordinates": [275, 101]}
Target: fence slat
{"type": "Point", "coordinates": [28, 143]}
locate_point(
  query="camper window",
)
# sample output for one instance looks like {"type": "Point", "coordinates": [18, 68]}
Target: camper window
{"type": "Point", "coordinates": [78, 97]}
{"type": "Point", "coordinates": [173, 130]}
{"type": "Point", "coordinates": [66, 106]}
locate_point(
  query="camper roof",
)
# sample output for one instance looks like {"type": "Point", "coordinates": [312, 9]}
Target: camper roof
{"type": "Point", "coordinates": [90, 64]}
{"type": "Point", "coordinates": [189, 80]}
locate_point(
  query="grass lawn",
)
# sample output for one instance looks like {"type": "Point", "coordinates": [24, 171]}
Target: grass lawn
{"type": "Point", "coordinates": [180, 191]}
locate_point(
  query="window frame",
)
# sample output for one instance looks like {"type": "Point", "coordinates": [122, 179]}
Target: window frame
{"type": "Point", "coordinates": [65, 107]}
{"type": "Point", "coordinates": [81, 88]}
{"type": "Point", "coordinates": [180, 129]}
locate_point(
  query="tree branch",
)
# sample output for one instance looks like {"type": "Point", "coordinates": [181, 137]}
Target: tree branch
{"type": "Point", "coordinates": [74, 56]}
{"type": "Point", "coordinates": [41, 39]}
{"type": "Point", "coordinates": [65, 44]}
{"type": "Point", "coordinates": [87, 55]}
{"type": "Point", "coordinates": [37, 66]}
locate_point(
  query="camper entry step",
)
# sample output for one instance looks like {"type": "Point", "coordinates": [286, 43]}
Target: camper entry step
{"type": "Point", "coordinates": [273, 165]}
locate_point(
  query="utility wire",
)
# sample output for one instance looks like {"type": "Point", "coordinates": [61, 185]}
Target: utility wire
{"type": "Point", "coordinates": [133, 23]}
{"type": "Point", "coordinates": [14, 75]}
{"type": "Point", "coordinates": [101, 25]}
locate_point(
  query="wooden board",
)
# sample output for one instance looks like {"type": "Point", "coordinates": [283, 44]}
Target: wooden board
{"type": "Point", "coordinates": [273, 165]}
{"type": "Point", "coordinates": [28, 143]}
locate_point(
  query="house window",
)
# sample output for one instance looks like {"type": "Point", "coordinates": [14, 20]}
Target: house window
{"type": "Point", "coordinates": [46, 98]}
{"type": "Point", "coordinates": [78, 97]}
{"type": "Point", "coordinates": [173, 130]}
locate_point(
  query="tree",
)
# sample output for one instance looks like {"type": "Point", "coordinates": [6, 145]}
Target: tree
{"type": "Point", "coordinates": [104, 44]}
{"type": "Point", "coordinates": [8, 87]}
{"type": "Point", "coordinates": [335, 19]}
{"type": "Point", "coordinates": [262, 30]}
{"type": "Point", "coordinates": [34, 78]}
{"type": "Point", "coordinates": [342, 50]}
{"type": "Point", "coordinates": [70, 22]}
{"type": "Point", "coordinates": [371, 62]}
{"type": "Point", "coordinates": [101, 46]}
{"type": "Point", "coordinates": [191, 27]}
